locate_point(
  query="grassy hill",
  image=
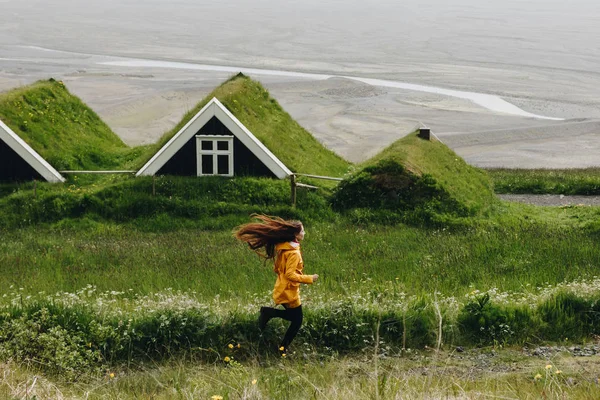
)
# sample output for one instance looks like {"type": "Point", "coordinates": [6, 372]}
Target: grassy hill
{"type": "Point", "coordinates": [415, 181]}
{"type": "Point", "coordinates": [469, 185]}
{"type": "Point", "coordinates": [251, 103]}
{"type": "Point", "coordinates": [59, 126]}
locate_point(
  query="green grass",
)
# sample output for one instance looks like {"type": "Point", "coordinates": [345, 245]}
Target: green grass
{"type": "Point", "coordinates": [157, 204]}
{"type": "Point", "coordinates": [100, 272]}
{"type": "Point", "coordinates": [541, 181]}
{"type": "Point", "coordinates": [350, 259]}
{"type": "Point", "coordinates": [62, 129]}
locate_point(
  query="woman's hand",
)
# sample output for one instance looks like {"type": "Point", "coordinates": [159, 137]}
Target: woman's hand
{"type": "Point", "coordinates": [315, 277]}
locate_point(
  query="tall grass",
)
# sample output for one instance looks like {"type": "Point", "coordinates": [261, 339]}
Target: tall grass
{"type": "Point", "coordinates": [73, 334]}
{"type": "Point", "coordinates": [349, 258]}
{"type": "Point", "coordinates": [487, 373]}
{"type": "Point", "coordinates": [540, 181]}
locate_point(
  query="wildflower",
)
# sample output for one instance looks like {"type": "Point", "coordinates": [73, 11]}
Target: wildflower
{"type": "Point", "coordinates": [111, 375]}
{"type": "Point", "coordinates": [283, 355]}
{"type": "Point", "coordinates": [216, 397]}
{"type": "Point", "coordinates": [281, 348]}
{"type": "Point", "coordinates": [549, 366]}
{"type": "Point", "coordinates": [227, 359]}
{"type": "Point", "coordinates": [238, 346]}
{"type": "Point", "coordinates": [230, 346]}
{"type": "Point", "coordinates": [558, 371]}
{"type": "Point", "coordinates": [254, 381]}
{"type": "Point", "coordinates": [537, 377]}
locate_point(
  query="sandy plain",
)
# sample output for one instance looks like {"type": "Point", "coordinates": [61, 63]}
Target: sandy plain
{"type": "Point", "coordinates": [516, 59]}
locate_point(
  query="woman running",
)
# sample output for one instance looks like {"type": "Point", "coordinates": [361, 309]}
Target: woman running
{"type": "Point", "coordinates": [276, 239]}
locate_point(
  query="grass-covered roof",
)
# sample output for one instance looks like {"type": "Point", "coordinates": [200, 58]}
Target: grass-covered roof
{"type": "Point", "coordinates": [470, 186]}
{"type": "Point", "coordinates": [61, 128]}
{"type": "Point", "coordinates": [251, 103]}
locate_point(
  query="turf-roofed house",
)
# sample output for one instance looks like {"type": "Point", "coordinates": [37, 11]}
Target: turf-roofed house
{"type": "Point", "coordinates": [240, 130]}
{"type": "Point", "coordinates": [46, 129]}
{"type": "Point", "coordinates": [215, 142]}
{"type": "Point", "coordinates": [19, 162]}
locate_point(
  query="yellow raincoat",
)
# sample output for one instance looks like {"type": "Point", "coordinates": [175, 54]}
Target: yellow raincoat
{"type": "Point", "coordinates": [288, 267]}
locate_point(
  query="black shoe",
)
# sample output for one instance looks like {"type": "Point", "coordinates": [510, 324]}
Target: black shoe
{"type": "Point", "coordinates": [263, 318]}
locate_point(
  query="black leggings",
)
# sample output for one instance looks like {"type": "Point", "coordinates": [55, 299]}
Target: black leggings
{"type": "Point", "coordinates": [294, 315]}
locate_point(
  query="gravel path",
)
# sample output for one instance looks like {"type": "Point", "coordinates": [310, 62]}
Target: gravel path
{"type": "Point", "coordinates": [552, 199]}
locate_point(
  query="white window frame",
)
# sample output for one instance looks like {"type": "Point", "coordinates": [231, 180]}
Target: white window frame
{"type": "Point", "coordinates": [214, 152]}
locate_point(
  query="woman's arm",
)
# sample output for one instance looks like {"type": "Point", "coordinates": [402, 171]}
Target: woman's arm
{"type": "Point", "coordinates": [291, 265]}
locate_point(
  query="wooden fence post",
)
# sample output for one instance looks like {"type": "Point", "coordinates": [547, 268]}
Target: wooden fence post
{"type": "Point", "coordinates": [293, 189]}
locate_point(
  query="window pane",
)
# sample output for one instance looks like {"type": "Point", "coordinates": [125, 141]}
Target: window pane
{"type": "Point", "coordinates": [207, 144]}
{"type": "Point", "coordinates": [222, 145]}
{"type": "Point", "coordinates": [207, 164]}
{"type": "Point", "coordinates": [223, 164]}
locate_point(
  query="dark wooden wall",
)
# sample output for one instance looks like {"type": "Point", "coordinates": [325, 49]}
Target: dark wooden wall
{"type": "Point", "coordinates": [245, 163]}
{"type": "Point", "coordinates": [13, 168]}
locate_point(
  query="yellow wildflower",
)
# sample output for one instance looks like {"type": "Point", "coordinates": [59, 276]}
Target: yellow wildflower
{"type": "Point", "coordinates": [558, 371]}
{"type": "Point", "coordinates": [282, 354]}
{"type": "Point", "coordinates": [254, 381]}
{"type": "Point", "coordinates": [549, 366]}
{"type": "Point", "coordinates": [281, 348]}
{"type": "Point", "coordinates": [230, 346]}
{"type": "Point", "coordinates": [216, 397]}
{"type": "Point", "coordinates": [111, 375]}
{"type": "Point", "coordinates": [227, 359]}
{"type": "Point", "coordinates": [238, 346]}
{"type": "Point", "coordinates": [537, 377]}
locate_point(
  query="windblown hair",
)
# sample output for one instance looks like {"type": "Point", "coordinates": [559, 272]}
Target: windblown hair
{"type": "Point", "coordinates": [263, 236]}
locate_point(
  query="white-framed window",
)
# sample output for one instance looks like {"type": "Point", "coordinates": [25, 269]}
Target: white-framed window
{"type": "Point", "coordinates": [214, 155]}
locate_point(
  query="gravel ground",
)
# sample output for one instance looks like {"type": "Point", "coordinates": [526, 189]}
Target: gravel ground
{"type": "Point", "coordinates": [552, 199]}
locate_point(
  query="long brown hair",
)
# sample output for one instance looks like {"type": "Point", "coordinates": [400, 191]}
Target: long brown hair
{"type": "Point", "coordinates": [263, 236]}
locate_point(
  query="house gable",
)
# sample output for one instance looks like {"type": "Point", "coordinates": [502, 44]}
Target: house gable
{"type": "Point", "coordinates": [179, 155]}
{"type": "Point", "coordinates": [19, 162]}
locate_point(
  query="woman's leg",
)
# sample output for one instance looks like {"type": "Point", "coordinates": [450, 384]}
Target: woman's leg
{"type": "Point", "coordinates": [294, 315]}
{"type": "Point", "coordinates": [266, 313]}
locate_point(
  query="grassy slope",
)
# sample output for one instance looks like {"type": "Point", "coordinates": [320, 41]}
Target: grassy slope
{"type": "Point", "coordinates": [67, 133]}
{"type": "Point", "coordinates": [264, 117]}
{"type": "Point", "coordinates": [469, 185]}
